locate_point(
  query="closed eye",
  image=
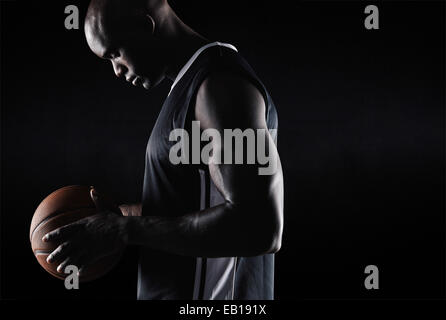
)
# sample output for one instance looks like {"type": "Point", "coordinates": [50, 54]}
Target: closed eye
{"type": "Point", "coordinates": [114, 55]}
{"type": "Point", "coordinates": [111, 55]}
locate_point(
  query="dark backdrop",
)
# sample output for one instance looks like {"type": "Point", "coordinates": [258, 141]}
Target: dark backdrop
{"type": "Point", "coordinates": [361, 138]}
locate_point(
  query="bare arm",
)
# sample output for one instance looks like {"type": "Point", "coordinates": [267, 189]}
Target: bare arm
{"type": "Point", "coordinates": [250, 220]}
{"type": "Point", "coordinates": [248, 223]}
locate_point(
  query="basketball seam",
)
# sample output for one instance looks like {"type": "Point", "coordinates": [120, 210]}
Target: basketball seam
{"type": "Point", "coordinates": [53, 194]}
{"type": "Point", "coordinates": [41, 252]}
{"type": "Point", "coordinates": [53, 215]}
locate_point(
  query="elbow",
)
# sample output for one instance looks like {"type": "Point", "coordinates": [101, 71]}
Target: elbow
{"type": "Point", "coordinates": [259, 233]}
{"type": "Point", "coordinates": [271, 230]}
{"type": "Point", "coordinates": [270, 242]}
{"type": "Point", "coordinates": [268, 239]}
{"type": "Point", "coordinates": [275, 244]}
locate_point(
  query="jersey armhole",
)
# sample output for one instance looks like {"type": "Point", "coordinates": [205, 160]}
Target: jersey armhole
{"type": "Point", "coordinates": [203, 74]}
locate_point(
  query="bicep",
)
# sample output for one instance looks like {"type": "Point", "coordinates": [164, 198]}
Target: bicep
{"type": "Point", "coordinates": [231, 106]}
{"type": "Point", "coordinates": [229, 101]}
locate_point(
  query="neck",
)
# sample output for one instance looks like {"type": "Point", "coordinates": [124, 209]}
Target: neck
{"type": "Point", "coordinates": [184, 45]}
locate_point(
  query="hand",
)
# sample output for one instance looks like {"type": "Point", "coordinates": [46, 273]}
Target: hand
{"type": "Point", "coordinates": [85, 241]}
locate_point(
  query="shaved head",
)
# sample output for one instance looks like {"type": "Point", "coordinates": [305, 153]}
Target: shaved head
{"type": "Point", "coordinates": [123, 32]}
{"type": "Point", "coordinates": [144, 39]}
{"type": "Point", "coordinates": [108, 14]}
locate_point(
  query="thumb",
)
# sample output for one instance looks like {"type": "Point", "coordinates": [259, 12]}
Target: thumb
{"type": "Point", "coordinates": [97, 200]}
{"type": "Point", "coordinates": [101, 202]}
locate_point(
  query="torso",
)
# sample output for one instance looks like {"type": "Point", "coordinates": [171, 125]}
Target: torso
{"type": "Point", "coordinates": [174, 190]}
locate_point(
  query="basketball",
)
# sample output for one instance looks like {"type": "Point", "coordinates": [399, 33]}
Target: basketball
{"type": "Point", "coordinates": [64, 206]}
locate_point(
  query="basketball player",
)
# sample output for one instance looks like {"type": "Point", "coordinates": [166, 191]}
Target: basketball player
{"type": "Point", "coordinates": [205, 231]}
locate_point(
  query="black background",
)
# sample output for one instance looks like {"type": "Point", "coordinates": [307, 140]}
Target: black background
{"type": "Point", "coordinates": [361, 138]}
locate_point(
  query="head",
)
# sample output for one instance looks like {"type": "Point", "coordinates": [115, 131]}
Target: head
{"type": "Point", "coordinates": [132, 35]}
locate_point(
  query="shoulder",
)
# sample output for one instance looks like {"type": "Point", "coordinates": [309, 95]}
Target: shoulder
{"type": "Point", "coordinates": [228, 98]}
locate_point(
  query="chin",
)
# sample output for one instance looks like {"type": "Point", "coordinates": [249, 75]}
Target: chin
{"type": "Point", "coordinates": [149, 84]}
{"type": "Point", "coordinates": [146, 85]}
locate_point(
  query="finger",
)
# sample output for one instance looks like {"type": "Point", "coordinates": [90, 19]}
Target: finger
{"type": "Point", "coordinates": [102, 202]}
{"type": "Point", "coordinates": [60, 253]}
{"type": "Point", "coordinates": [83, 263]}
{"type": "Point", "coordinates": [60, 233]}
{"type": "Point", "coordinates": [86, 259]}
{"type": "Point", "coordinates": [61, 267]}
{"type": "Point", "coordinates": [83, 267]}
{"type": "Point", "coordinates": [82, 270]}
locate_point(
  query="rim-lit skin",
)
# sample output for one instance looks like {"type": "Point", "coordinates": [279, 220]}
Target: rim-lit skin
{"type": "Point", "coordinates": [144, 46]}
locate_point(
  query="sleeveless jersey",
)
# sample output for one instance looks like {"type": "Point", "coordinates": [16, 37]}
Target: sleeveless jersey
{"type": "Point", "coordinates": [172, 190]}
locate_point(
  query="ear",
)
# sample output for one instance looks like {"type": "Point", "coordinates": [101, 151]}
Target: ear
{"type": "Point", "coordinates": [151, 21]}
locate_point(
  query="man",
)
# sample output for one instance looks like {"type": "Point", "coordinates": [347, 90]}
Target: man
{"type": "Point", "coordinates": [206, 230]}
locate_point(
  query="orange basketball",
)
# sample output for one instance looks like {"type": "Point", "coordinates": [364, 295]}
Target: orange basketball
{"type": "Point", "coordinates": [64, 206]}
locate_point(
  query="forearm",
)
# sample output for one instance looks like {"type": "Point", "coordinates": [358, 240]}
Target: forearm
{"type": "Point", "coordinates": [215, 232]}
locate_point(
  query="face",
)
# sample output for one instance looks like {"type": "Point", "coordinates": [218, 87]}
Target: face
{"type": "Point", "coordinates": [135, 54]}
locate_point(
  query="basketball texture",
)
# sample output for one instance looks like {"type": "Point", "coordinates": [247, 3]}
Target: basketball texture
{"type": "Point", "coordinates": [64, 206]}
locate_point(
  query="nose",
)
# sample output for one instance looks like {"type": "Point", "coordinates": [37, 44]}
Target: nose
{"type": "Point", "coordinates": [119, 69]}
